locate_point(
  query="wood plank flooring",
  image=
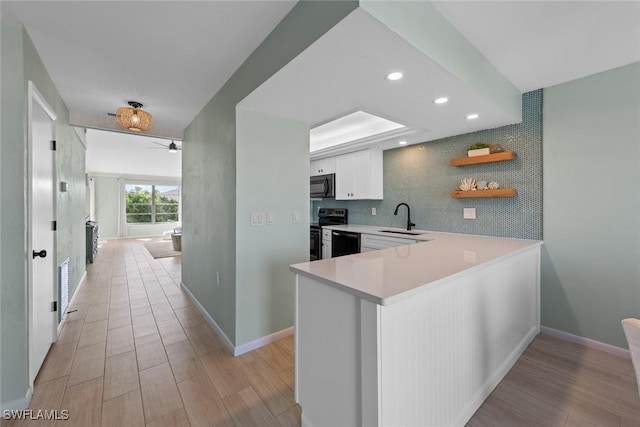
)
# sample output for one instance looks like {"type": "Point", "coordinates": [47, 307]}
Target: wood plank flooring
{"type": "Point", "coordinates": [137, 353]}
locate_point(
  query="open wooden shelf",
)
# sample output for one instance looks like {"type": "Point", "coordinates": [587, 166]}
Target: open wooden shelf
{"type": "Point", "coordinates": [475, 194]}
{"type": "Point", "coordinates": [489, 158]}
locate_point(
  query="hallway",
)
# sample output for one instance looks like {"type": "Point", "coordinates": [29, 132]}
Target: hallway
{"type": "Point", "coordinates": [133, 351]}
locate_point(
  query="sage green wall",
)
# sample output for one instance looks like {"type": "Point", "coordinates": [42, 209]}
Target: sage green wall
{"type": "Point", "coordinates": [591, 157]}
{"type": "Point", "coordinates": [209, 163]}
{"type": "Point", "coordinates": [13, 316]}
{"type": "Point", "coordinates": [20, 63]}
{"type": "Point", "coordinates": [272, 157]}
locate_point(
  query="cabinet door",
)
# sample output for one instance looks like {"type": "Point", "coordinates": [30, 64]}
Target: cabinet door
{"type": "Point", "coordinates": [323, 166]}
{"type": "Point", "coordinates": [326, 244]}
{"type": "Point", "coordinates": [344, 178]}
{"type": "Point", "coordinates": [316, 167]}
{"type": "Point", "coordinates": [360, 164]}
{"type": "Point", "coordinates": [359, 175]}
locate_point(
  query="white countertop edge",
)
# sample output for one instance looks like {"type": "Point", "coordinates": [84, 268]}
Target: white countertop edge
{"type": "Point", "coordinates": [420, 288]}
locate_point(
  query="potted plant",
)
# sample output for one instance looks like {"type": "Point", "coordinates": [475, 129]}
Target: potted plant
{"type": "Point", "coordinates": [478, 149]}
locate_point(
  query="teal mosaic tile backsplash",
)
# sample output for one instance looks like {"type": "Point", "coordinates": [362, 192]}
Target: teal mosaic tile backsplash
{"type": "Point", "coordinates": [420, 175]}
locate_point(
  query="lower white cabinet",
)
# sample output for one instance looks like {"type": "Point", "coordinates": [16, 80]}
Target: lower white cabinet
{"type": "Point", "coordinates": [374, 242]}
{"type": "Point", "coordinates": [430, 359]}
{"type": "Point", "coordinates": [359, 175]}
{"type": "Point", "coordinates": [326, 243]}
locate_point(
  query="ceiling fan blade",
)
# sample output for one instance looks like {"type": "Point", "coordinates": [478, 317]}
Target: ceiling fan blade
{"type": "Point", "coordinates": [160, 144]}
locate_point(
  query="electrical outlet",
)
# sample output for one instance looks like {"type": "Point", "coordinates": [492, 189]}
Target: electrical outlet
{"type": "Point", "coordinates": [469, 213]}
{"type": "Point", "coordinates": [373, 211]}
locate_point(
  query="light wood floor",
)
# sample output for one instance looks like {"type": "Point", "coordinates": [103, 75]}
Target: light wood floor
{"type": "Point", "coordinates": [137, 353]}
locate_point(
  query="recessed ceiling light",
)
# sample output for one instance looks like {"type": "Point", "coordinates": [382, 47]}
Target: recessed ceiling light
{"type": "Point", "coordinates": [402, 142]}
{"type": "Point", "coordinates": [440, 100]}
{"type": "Point", "coordinates": [397, 75]}
{"type": "Point", "coordinates": [472, 116]}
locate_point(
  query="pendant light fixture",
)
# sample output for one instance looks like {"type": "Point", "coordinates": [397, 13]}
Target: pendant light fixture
{"type": "Point", "coordinates": [133, 118]}
{"type": "Point", "coordinates": [173, 148]}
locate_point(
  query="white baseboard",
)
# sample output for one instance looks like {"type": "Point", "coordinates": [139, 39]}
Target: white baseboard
{"type": "Point", "coordinates": [244, 348]}
{"type": "Point", "coordinates": [587, 342]}
{"type": "Point", "coordinates": [73, 298]}
{"type": "Point", "coordinates": [260, 342]}
{"type": "Point", "coordinates": [225, 339]}
{"type": "Point", "coordinates": [18, 404]}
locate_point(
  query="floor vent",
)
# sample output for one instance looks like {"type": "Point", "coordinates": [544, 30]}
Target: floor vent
{"type": "Point", "coordinates": [63, 291]}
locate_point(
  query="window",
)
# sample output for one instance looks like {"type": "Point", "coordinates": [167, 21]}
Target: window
{"type": "Point", "coordinates": [152, 203]}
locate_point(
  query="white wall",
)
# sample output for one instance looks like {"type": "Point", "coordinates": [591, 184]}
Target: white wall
{"type": "Point", "coordinates": [126, 154]}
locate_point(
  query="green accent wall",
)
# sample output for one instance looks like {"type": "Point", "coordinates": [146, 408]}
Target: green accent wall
{"type": "Point", "coordinates": [20, 63]}
{"type": "Point", "coordinates": [211, 169]}
{"type": "Point", "coordinates": [591, 157]}
{"type": "Point", "coordinates": [264, 288]}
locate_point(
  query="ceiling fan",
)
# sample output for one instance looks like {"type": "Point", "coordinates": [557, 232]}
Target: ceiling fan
{"type": "Point", "coordinates": [172, 147]}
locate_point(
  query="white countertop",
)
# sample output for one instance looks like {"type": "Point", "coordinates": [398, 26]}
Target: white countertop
{"type": "Point", "coordinates": [390, 275]}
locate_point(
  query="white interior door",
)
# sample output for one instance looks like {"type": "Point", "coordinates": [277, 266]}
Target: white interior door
{"type": "Point", "coordinates": [42, 249]}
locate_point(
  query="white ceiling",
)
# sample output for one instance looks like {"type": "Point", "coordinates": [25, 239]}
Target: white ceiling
{"type": "Point", "coordinates": [173, 56]}
{"type": "Point", "coordinates": [123, 154]}
{"type": "Point", "coordinates": [346, 69]}
{"type": "Point", "coordinates": [538, 44]}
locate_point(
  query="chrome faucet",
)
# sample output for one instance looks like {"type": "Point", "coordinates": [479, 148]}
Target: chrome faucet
{"type": "Point", "coordinates": [409, 223]}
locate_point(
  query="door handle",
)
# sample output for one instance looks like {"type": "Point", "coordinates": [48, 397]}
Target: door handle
{"type": "Point", "coordinates": [41, 254]}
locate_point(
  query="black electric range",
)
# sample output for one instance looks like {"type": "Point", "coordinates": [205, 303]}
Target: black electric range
{"type": "Point", "coordinates": [326, 216]}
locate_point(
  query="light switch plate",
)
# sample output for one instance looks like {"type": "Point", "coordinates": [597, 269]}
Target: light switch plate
{"type": "Point", "coordinates": [373, 211]}
{"type": "Point", "coordinates": [271, 218]}
{"type": "Point", "coordinates": [257, 219]}
{"type": "Point", "coordinates": [296, 217]}
{"type": "Point", "coordinates": [469, 213]}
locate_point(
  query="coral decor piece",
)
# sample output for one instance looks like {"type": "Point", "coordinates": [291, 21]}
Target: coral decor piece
{"type": "Point", "coordinates": [468, 184]}
{"type": "Point", "coordinates": [493, 185]}
{"type": "Point", "coordinates": [495, 148]}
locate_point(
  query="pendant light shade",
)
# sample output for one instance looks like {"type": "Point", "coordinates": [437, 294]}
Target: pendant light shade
{"type": "Point", "coordinates": [133, 118]}
{"type": "Point", "coordinates": [173, 148]}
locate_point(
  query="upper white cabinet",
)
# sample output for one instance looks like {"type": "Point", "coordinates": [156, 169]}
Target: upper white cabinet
{"type": "Point", "coordinates": [323, 166]}
{"type": "Point", "coordinates": [359, 175]}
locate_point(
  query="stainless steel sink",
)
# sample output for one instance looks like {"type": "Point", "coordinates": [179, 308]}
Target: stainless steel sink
{"type": "Point", "coordinates": [411, 233]}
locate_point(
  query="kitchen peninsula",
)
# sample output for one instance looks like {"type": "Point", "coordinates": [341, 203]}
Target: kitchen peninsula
{"type": "Point", "coordinates": [417, 334]}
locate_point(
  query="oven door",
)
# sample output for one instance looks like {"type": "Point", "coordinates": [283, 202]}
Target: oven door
{"type": "Point", "coordinates": [322, 186]}
{"type": "Point", "coordinates": [315, 241]}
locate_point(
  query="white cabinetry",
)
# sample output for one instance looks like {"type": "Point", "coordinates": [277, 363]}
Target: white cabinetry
{"type": "Point", "coordinates": [323, 166]}
{"type": "Point", "coordinates": [373, 242]}
{"type": "Point", "coordinates": [359, 175]}
{"type": "Point", "coordinates": [326, 243]}
{"type": "Point", "coordinates": [414, 362]}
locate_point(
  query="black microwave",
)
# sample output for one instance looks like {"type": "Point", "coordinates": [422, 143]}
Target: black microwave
{"type": "Point", "coordinates": [323, 186]}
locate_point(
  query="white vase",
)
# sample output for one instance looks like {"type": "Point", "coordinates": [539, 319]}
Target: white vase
{"type": "Point", "coordinates": [478, 152]}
